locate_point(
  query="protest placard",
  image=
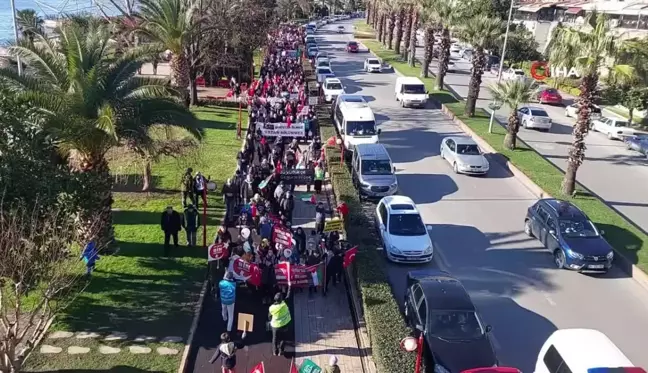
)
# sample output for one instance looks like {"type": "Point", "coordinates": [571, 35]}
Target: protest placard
{"type": "Point", "coordinates": [336, 224]}
{"type": "Point", "coordinates": [282, 129]}
{"type": "Point", "coordinates": [297, 176]}
{"type": "Point", "coordinates": [282, 235]}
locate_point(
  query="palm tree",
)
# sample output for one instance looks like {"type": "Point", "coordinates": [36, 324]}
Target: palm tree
{"type": "Point", "coordinates": [446, 14]}
{"type": "Point", "coordinates": [407, 28]}
{"type": "Point", "coordinates": [29, 24]}
{"type": "Point", "coordinates": [430, 21]}
{"type": "Point", "coordinates": [391, 9]}
{"type": "Point", "coordinates": [512, 93]}
{"type": "Point", "coordinates": [411, 58]}
{"type": "Point", "coordinates": [91, 99]}
{"type": "Point", "coordinates": [171, 24]}
{"type": "Point", "coordinates": [480, 32]}
{"type": "Point", "coordinates": [592, 47]}
{"type": "Point", "coordinates": [400, 27]}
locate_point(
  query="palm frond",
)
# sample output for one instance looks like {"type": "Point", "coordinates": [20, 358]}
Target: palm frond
{"type": "Point", "coordinates": [512, 93]}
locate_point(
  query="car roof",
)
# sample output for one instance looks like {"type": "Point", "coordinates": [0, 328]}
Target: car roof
{"type": "Point", "coordinates": [409, 80]}
{"type": "Point", "coordinates": [533, 108]}
{"type": "Point", "coordinates": [462, 140]}
{"type": "Point", "coordinates": [584, 349]}
{"type": "Point", "coordinates": [332, 80]}
{"type": "Point", "coordinates": [442, 290]}
{"type": "Point", "coordinates": [352, 42]}
{"type": "Point", "coordinates": [372, 151]}
{"type": "Point", "coordinates": [373, 58]}
{"type": "Point", "coordinates": [563, 209]}
{"type": "Point", "coordinates": [323, 68]}
{"type": "Point", "coordinates": [351, 98]}
{"type": "Point", "coordinates": [396, 203]}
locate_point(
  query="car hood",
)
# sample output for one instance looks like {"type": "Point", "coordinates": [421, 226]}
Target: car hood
{"type": "Point", "coordinates": [472, 160]}
{"type": "Point", "coordinates": [414, 96]}
{"type": "Point", "coordinates": [379, 180]}
{"type": "Point", "coordinates": [334, 91]}
{"type": "Point", "coordinates": [460, 356]}
{"type": "Point", "coordinates": [374, 65]}
{"type": "Point", "coordinates": [596, 246]}
{"type": "Point", "coordinates": [411, 243]}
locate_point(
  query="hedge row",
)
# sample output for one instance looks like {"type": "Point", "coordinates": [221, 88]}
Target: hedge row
{"type": "Point", "coordinates": [222, 103]}
{"type": "Point", "coordinates": [385, 324]}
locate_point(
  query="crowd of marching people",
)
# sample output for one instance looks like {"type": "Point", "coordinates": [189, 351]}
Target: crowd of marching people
{"type": "Point", "coordinates": [260, 203]}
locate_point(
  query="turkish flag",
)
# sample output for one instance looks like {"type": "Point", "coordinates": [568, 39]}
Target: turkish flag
{"type": "Point", "coordinates": [349, 255]}
{"type": "Point", "coordinates": [293, 367]}
{"type": "Point", "coordinates": [246, 271]}
{"type": "Point", "coordinates": [259, 368]}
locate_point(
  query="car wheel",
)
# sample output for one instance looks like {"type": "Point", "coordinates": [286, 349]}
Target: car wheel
{"type": "Point", "coordinates": [527, 228]}
{"type": "Point", "coordinates": [567, 113]}
{"type": "Point", "coordinates": [559, 259]}
{"type": "Point", "coordinates": [455, 168]}
{"type": "Point", "coordinates": [524, 124]}
{"type": "Point", "coordinates": [402, 103]}
{"type": "Point", "coordinates": [609, 135]}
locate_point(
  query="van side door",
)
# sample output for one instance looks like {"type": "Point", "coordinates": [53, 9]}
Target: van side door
{"type": "Point", "coordinates": [355, 169]}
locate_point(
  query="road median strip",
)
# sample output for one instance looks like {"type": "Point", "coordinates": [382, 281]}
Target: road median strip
{"type": "Point", "coordinates": [536, 172]}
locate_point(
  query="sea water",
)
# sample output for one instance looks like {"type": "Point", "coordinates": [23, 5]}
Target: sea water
{"type": "Point", "coordinates": [49, 9]}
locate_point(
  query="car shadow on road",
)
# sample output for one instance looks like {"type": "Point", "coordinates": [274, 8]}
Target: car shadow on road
{"type": "Point", "coordinates": [426, 188]}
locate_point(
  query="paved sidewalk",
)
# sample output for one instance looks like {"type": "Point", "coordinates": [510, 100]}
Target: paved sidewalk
{"type": "Point", "coordinates": [323, 325]}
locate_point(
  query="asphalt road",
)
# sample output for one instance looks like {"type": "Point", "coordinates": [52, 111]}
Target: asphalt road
{"type": "Point", "coordinates": [605, 159]}
{"type": "Point", "coordinates": [478, 233]}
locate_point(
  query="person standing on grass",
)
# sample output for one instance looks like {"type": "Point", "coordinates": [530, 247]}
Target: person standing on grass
{"type": "Point", "coordinates": [90, 256]}
{"type": "Point", "coordinates": [187, 187]}
{"type": "Point", "coordinates": [171, 223]}
{"type": "Point", "coordinates": [200, 183]}
{"type": "Point", "coordinates": [279, 315]}
{"type": "Point", "coordinates": [229, 198]}
{"type": "Point", "coordinates": [190, 224]}
{"type": "Point", "coordinates": [227, 288]}
{"type": "Point", "coordinates": [227, 352]}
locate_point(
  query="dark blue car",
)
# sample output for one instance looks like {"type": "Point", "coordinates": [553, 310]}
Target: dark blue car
{"type": "Point", "coordinates": [569, 235]}
{"type": "Point", "coordinates": [637, 143]}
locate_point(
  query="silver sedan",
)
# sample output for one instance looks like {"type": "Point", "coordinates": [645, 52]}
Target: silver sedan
{"type": "Point", "coordinates": [464, 155]}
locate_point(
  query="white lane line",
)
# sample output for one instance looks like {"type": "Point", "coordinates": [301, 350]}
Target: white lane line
{"type": "Point", "coordinates": [531, 281]}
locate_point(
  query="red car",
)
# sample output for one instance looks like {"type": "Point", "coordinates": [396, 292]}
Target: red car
{"type": "Point", "coordinates": [352, 47]}
{"type": "Point", "coordinates": [550, 96]}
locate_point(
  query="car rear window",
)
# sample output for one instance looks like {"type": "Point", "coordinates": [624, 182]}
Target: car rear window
{"type": "Point", "coordinates": [374, 62]}
{"type": "Point", "coordinates": [398, 207]}
{"type": "Point", "coordinates": [551, 91]}
{"type": "Point", "coordinates": [539, 113]}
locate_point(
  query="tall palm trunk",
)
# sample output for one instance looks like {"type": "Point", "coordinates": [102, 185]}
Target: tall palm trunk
{"type": "Point", "coordinates": [512, 129]}
{"type": "Point", "coordinates": [381, 30]}
{"type": "Point", "coordinates": [411, 60]}
{"type": "Point", "coordinates": [429, 51]}
{"type": "Point", "coordinates": [180, 76]}
{"type": "Point", "coordinates": [385, 19]}
{"type": "Point", "coordinates": [369, 13]}
{"type": "Point", "coordinates": [399, 30]}
{"type": "Point", "coordinates": [408, 29]}
{"type": "Point", "coordinates": [376, 17]}
{"type": "Point", "coordinates": [444, 58]}
{"type": "Point", "coordinates": [390, 29]}
{"type": "Point", "coordinates": [577, 150]}
{"type": "Point", "coordinates": [148, 175]}
{"type": "Point", "coordinates": [478, 62]}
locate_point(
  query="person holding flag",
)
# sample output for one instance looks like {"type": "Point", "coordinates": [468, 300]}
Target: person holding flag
{"type": "Point", "coordinates": [227, 352]}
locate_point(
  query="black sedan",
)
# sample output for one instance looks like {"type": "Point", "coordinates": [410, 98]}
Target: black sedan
{"type": "Point", "coordinates": [455, 337]}
{"type": "Point", "coordinates": [637, 143]}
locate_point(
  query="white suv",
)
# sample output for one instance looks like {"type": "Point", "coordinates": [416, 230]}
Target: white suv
{"type": "Point", "coordinates": [372, 65]}
{"type": "Point", "coordinates": [332, 88]}
{"type": "Point", "coordinates": [405, 238]}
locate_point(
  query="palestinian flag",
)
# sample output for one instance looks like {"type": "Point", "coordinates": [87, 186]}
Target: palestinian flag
{"type": "Point", "coordinates": [317, 274]}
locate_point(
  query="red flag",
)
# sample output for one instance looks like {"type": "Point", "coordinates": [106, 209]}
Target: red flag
{"type": "Point", "coordinates": [288, 121]}
{"type": "Point", "coordinates": [249, 272]}
{"type": "Point", "coordinates": [349, 255]}
{"type": "Point", "coordinates": [313, 200]}
{"type": "Point", "coordinates": [293, 367]}
{"type": "Point", "coordinates": [278, 168]}
{"type": "Point", "coordinates": [259, 368]}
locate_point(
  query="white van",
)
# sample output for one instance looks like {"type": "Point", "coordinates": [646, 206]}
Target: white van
{"type": "Point", "coordinates": [355, 121]}
{"type": "Point", "coordinates": [579, 350]}
{"type": "Point", "coordinates": [410, 91]}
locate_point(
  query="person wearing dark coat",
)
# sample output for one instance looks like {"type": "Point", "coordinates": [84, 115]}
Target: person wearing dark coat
{"type": "Point", "coordinates": [247, 189]}
{"type": "Point", "coordinates": [300, 240]}
{"type": "Point", "coordinates": [226, 351]}
{"type": "Point", "coordinates": [287, 205]}
{"type": "Point", "coordinates": [334, 268]}
{"type": "Point", "coordinates": [171, 223]}
{"type": "Point", "coordinates": [190, 223]}
{"type": "Point", "coordinates": [230, 196]}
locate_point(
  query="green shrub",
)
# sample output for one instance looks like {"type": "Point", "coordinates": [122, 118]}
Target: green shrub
{"type": "Point", "coordinates": [385, 324]}
{"type": "Point", "coordinates": [221, 103]}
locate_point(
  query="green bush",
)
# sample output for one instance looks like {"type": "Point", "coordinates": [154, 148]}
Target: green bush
{"type": "Point", "coordinates": [221, 103]}
{"type": "Point", "coordinates": [385, 324]}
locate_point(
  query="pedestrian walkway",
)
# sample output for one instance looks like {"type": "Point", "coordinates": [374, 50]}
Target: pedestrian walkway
{"type": "Point", "coordinates": [323, 325]}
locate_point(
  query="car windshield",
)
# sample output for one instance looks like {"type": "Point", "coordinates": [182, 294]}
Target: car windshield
{"type": "Point", "coordinates": [414, 89]}
{"type": "Point", "coordinates": [324, 71]}
{"type": "Point", "coordinates": [323, 63]}
{"type": "Point", "coordinates": [364, 128]}
{"type": "Point", "coordinates": [382, 167]}
{"type": "Point", "coordinates": [468, 149]}
{"type": "Point", "coordinates": [334, 86]}
{"type": "Point", "coordinates": [373, 62]}
{"type": "Point", "coordinates": [539, 113]}
{"type": "Point", "coordinates": [551, 91]}
{"type": "Point", "coordinates": [454, 325]}
{"type": "Point", "coordinates": [577, 228]}
{"type": "Point", "coordinates": [353, 44]}
{"type": "Point", "coordinates": [406, 225]}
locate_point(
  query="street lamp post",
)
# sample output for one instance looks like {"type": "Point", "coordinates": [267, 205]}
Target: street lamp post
{"type": "Point", "coordinates": [15, 23]}
{"type": "Point", "coordinates": [501, 64]}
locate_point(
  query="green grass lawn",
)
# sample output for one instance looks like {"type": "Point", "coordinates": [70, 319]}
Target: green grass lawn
{"type": "Point", "coordinates": [138, 291]}
{"type": "Point", "coordinates": [627, 239]}
{"type": "Point", "coordinates": [363, 30]}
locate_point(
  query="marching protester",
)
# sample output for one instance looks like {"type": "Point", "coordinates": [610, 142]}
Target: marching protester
{"type": "Point", "coordinates": [227, 352]}
{"type": "Point", "coordinates": [279, 316]}
{"type": "Point", "coordinates": [227, 288]}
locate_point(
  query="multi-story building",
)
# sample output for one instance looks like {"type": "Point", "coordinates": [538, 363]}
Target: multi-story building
{"type": "Point", "coordinates": [628, 19]}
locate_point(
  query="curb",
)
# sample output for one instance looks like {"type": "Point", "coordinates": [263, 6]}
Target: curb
{"type": "Point", "coordinates": [636, 273]}
{"type": "Point", "coordinates": [192, 330]}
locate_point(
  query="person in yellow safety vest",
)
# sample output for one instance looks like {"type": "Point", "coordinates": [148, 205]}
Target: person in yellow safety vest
{"type": "Point", "coordinates": [279, 316]}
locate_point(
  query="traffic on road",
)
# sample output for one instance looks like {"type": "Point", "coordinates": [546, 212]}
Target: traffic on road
{"type": "Point", "coordinates": [481, 267]}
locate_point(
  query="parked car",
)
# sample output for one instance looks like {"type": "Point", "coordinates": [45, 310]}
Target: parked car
{"type": "Point", "coordinates": [614, 128]}
{"type": "Point", "coordinates": [535, 118]}
{"type": "Point", "coordinates": [637, 143]}
{"type": "Point", "coordinates": [321, 54]}
{"type": "Point", "coordinates": [372, 65]}
{"type": "Point", "coordinates": [323, 73]}
{"type": "Point", "coordinates": [550, 96]}
{"type": "Point", "coordinates": [569, 235]}
{"type": "Point", "coordinates": [455, 337]}
{"type": "Point", "coordinates": [513, 74]}
{"type": "Point", "coordinates": [405, 238]}
{"type": "Point", "coordinates": [352, 47]}
{"type": "Point", "coordinates": [332, 88]}
{"type": "Point", "coordinates": [464, 155]}
{"type": "Point", "coordinates": [571, 111]}
{"type": "Point", "coordinates": [466, 53]}
{"type": "Point", "coordinates": [323, 62]}
{"type": "Point", "coordinates": [340, 29]}
{"type": "Point", "coordinates": [312, 52]}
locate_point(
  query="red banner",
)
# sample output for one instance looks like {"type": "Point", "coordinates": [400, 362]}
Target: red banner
{"type": "Point", "coordinates": [299, 275]}
{"type": "Point", "coordinates": [248, 272]}
{"type": "Point", "coordinates": [217, 251]}
{"type": "Point", "coordinates": [282, 235]}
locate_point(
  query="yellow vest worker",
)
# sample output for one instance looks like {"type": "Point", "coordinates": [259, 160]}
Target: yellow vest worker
{"type": "Point", "coordinates": [280, 315]}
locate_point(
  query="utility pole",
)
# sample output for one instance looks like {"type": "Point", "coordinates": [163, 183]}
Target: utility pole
{"type": "Point", "coordinates": [15, 23]}
{"type": "Point", "coordinates": [501, 64]}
